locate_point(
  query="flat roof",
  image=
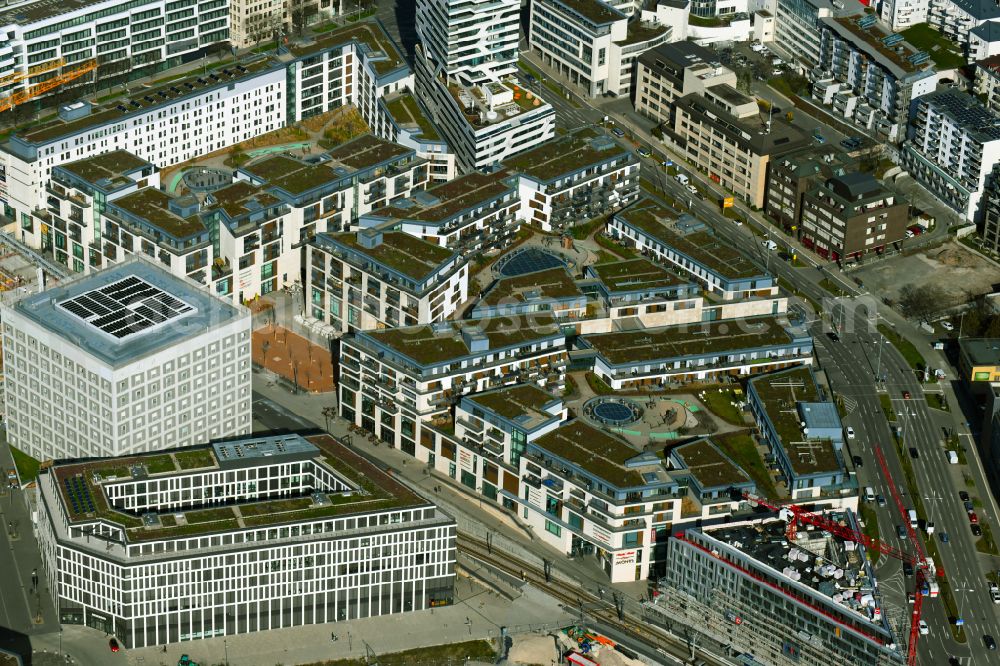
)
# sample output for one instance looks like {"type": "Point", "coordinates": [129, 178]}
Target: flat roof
{"type": "Point", "coordinates": [870, 40]}
{"type": "Point", "coordinates": [81, 486]}
{"type": "Point", "coordinates": [637, 274]}
{"type": "Point", "coordinates": [981, 351]}
{"type": "Point", "coordinates": [34, 12]}
{"type": "Point", "coordinates": [566, 154]}
{"type": "Point", "coordinates": [366, 151]}
{"type": "Point", "coordinates": [595, 451]}
{"type": "Point", "coordinates": [413, 257]}
{"type": "Point", "coordinates": [595, 11]}
{"type": "Point", "coordinates": [144, 100]}
{"type": "Point", "coordinates": [702, 246]}
{"type": "Point", "coordinates": [673, 342]}
{"type": "Point", "coordinates": [153, 206]}
{"type": "Point", "coordinates": [440, 203]}
{"type": "Point", "coordinates": [384, 55]}
{"type": "Point", "coordinates": [43, 310]}
{"type": "Point", "coordinates": [242, 198]}
{"type": "Point", "coordinates": [781, 394]}
{"type": "Point", "coordinates": [108, 171]}
{"type": "Point", "coordinates": [551, 284]}
{"type": "Point", "coordinates": [709, 465]}
{"type": "Point", "coordinates": [524, 404]}
{"type": "Point", "coordinates": [405, 110]}
{"type": "Point", "coordinates": [440, 343]}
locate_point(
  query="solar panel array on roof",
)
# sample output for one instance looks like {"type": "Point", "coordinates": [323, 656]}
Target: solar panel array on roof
{"type": "Point", "coordinates": [126, 307]}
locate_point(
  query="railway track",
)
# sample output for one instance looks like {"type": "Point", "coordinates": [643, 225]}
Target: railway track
{"type": "Point", "coordinates": [603, 612]}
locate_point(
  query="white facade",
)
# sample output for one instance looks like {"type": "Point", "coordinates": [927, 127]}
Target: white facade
{"type": "Point", "coordinates": [902, 14]}
{"type": "Point", "coordinates": [73, 390]}
{"type": "Point", "coordinates": [474, 41]}
{"type": "Point", "coordinates": [953, 144]}
{"type": "Point", "coordinates": [155, 585]}
{"type": "Point", "coordinates": [955, 19]}
{"type": "Point", "coordinates": [796, 28]}
{"type": "Point", "coordinates": [45, 37]}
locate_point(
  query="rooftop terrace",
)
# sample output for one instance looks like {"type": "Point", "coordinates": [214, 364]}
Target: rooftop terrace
{"type": "Point", "coordinates": [551, 284]}
{"type": "Point", "coordinates": [153, 206]}
{"type": "Point", "coordinates": [242, 198]}
{"type": "Point", "coordinates": [367, 151]}
{"type": "Point", "coordinates": [635, 275]}
{"type": "Point", "coordinates": [439, 204]}
{"type": "Point", "coordinates": [441, 343]}
{"type": "Point", "coordinates": [872, 39]}
{"type": "Point", "coordinates": [108, 170]}
{"type": "Point", "coordinates": [709, 466]}
{"type": "Point", "coordinates": [676, 342]}
{"type": "Point", "coordinates": [415, 258]}
{"type": "Point", "coordinates": [81, 487]}
{"type": "Point", "coordinates": [701, 246]}
{"type": "Point", "coordinates": [403, 107]}
{"type": "Point", "coordinates": [566, 154]}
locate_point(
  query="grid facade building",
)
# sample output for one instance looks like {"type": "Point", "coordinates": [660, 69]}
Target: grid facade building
{"type": "Point", "coordinates": [247, 535]}
{"type": "Point", "coordinates": [79, 382]}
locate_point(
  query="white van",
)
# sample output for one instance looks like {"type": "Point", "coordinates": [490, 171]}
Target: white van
{"type": "Point", "coordinates": [913, 518]}
{"type": "Point", "coordinates": [769, 244]}
{"type": "Point", "coordinates": [682, 179]}
{"type": "Point", "coordinates": [869, 494]}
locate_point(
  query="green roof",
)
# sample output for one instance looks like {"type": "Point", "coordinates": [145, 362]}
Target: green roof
{"type": "Point", "coordinates": [366, 151]}
{"type": "Point", "coordinates": [635, 274]}
{"type": "Point", "coordinates": [234, 198]}
{"type": "Point", "coordinates": [595, 451]}
{"type": "Point", "coordinates": [110, 167]}
{"type": "Point", "coordinates": [566, 154]}
{"type": "Point", "coordinates": [553, 283]}
{"type": "Point", "coordinates": [645, 345]}
{"type": "Point", "coordinates": [452, 198]}
{"type": "Point", "coordinates": [512, 402]}
{"type": "Point", "coordinates": [378, 491]}
{"type": "Point", "coordinates": [404, 109]}
{"type": "Point", "coordinates": [291, 175]}
{"type": "Point", "coordinates": [640, 32]}
{"type": "Point", "coordinates": [599, 13]}
{"type": "Point", "coordinates": [153, 206]}
{"type": "Point", "coordinates": [368, 32]}
{"type": "Point", "coordinates": [702, 246]}
{"type": "Point", "coordinates": [710, 466]}
{"type": "Point", "coordinates": [430, 345]}
{"type": "Point", "coordinates": [413, 257]}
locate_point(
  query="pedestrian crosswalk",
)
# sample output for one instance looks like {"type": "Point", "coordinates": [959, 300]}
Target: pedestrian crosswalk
{"type": "Point", "coordinates": [850, 404]}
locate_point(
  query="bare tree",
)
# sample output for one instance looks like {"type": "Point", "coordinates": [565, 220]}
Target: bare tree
{"type": "Point", "coordinates": [920, 302]}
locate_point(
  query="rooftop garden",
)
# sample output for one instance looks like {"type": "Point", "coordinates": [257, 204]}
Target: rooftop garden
{"type": "Point", "coordinates": [405, 110]}
{"type": "Point", "coordinates": [514, 401]}
{"type": "Point", "coordinates": [411, 256]}
{"type": "Point", "coordinates": [709, 465]}
{"type": "Point", "coordinates": [152, 205]}
{"type": "Point", "coordinates": [554, 283]}
{"type": "Point", "coordinates": [454, 197]}
{"type": "Point", "coordinates": [595, 451]}
{"type": "Point", "coordinates": [635, 275]}
{"type": "Point", "coordinates": [741, 448]}
{"type": "Point", "coordinates": [945, 53]}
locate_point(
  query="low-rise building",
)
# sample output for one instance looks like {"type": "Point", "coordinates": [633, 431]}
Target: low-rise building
{"type": "Point", "coordinates": [391, 378]}
{"type": "Point", "coordinates": [691, 247]}
{"type": "Point", "coordinates": [129, 359]}
{"type": "Point", "coordinates": [953, 144]}
{"type": "Point", "coordinates": [851, 215]}
{"type": "Point", "coordinates": [979, 362]}
{"type": "Point", "coordinates": [790, 177]}
{"type": "Point", "coordinates": [870, 75]}
{"type": "Point", "coordinates": [902, 14]}
{"type": "Point", "coordinates": [471, 213]}
{"type": "Point", "coordinates": [71, 226]}
{"type": "Point", "coordinates": [800, 425]}
{"type": "Point", "coordinates": [811, 600]}
{"type": "Point", "coordinates": [374, 278]}
{"type": "Point", "coordinates": [984, 41]}
{"type": "Point", "coordinates": [598, 54]}
{"type": "Point", "coordinates": [657, 357]}
{"type": "Point", "coordinates": [722, 133]}
{"type": "Point", "coordinates": [574, 178]}
{"type": "Point", "coordinates": [674, 70]}
{"type": "Point", "coordinates": [241, 536]}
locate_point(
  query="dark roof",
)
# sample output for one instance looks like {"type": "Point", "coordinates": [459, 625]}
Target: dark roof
{"type": "Point", "coordinates": [855, 185]}
{"type": "Point", "coordinates": [967, 112]}
{"type": "Point", "coordinates": [988, 32]}
{"type": "Point", "coordinates": [982, 10]}
{"type": "Point", "coordinates": [678, 55]}
{"type": "Point", "coordinates": [746, 133]}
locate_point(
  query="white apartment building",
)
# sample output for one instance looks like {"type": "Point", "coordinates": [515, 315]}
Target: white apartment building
{"type": "Point", "coordinates": [797, 28]}
{"type": "Point", "coordinates": [472, 213]}
{"type": "Point", "coordinates": [256, 21]}
{"type": "Point", "coordinates": [954, 141]}
{"type": "Point", "coordinates": [591, 44]}
{"type": "Point", "coordinates": [130, 359]}
{"type": "Point", "coordinates": [465, 63]}
{"type": "Point", "coordinates": [988, 82]}
{"type": "Point", "coordinates": [955, 19]}
{"type": "Point", "coordinates": [71, 225]}
{"type": "Point", "coordinates": [382, 279]}
{"type": "Point", "coordinates": [164, 126]}
{"type": "Point", "coordinates": [902, 14]}
{"type": "Point", "coordinates": [162, 553]}
{"type": "Point", "coordinates": [671, 71]}
{"type": "Point", "coordinates": [389, 378]}
{"type": "Point", "coordinates": [574, 178]}
{"type": "Point", "coordinates": [871, 85]}
{"type": "Point", "coordinates": [405, 121]}
{"type": "Point", "coordinates": [127, 40]}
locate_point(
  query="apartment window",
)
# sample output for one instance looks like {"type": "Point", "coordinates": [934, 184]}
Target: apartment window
{"type": "Point", "coordinates": [552, 528]}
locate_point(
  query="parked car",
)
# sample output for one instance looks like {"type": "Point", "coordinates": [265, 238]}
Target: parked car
{"type": "Point", "coordinates": [973, 518]}
{"type": "Point", "coordinates": [943, 536]}
{"type": "Point", "coordinates": [969, 507]}
{"type": "Point", "coordinates": [880, 500]}
{"type": "Point", "coordinates": [113, 644]}
{"type": "Point", "coordinates": [962, 495]}
{"type": "Point", "coordinates": [947, 325]}
{"type": "Point", "coordinates": [850, 432]}
{"type": "Point", "coordinates": [977, 531]}
{"type": "Point", "coordinates": [989, 642]}
{"type": "Point", "coordinates": [692, 189]}
{"type": "Point", "coordinates": [618, 131]}
{"type": "Point", "coordinates": [901, 533]}
{"type": "Point", "coordinates": [924, 629]}
{"type": "Point", "coordinates": [643, 151]}
{"type": "Point", "coordinates": [907, 569]}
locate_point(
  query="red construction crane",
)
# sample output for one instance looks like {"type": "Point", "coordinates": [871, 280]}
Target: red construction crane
{"type": "Point", "coordinates": [795, 515]}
